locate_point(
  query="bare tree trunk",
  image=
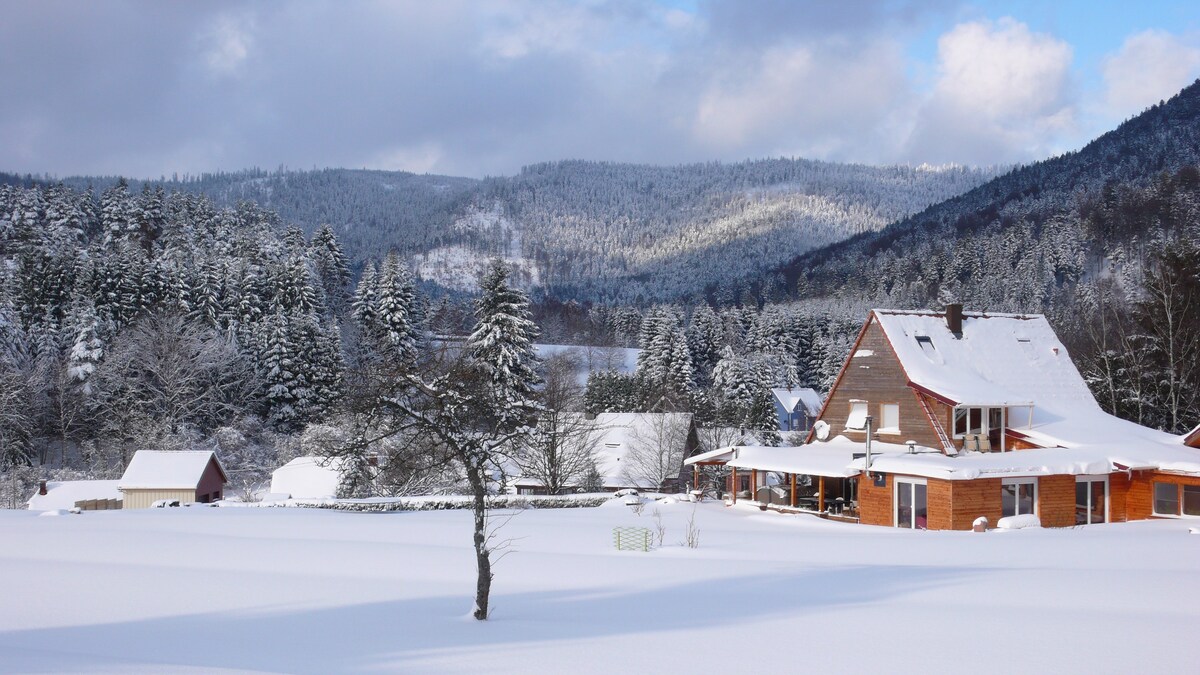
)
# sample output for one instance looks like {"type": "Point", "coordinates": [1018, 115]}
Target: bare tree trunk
{"type": "Point", "coordinates": [483, 560]}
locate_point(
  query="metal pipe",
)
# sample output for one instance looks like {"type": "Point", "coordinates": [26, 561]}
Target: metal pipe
{"type": "Point", "coordinates": [868, 458]}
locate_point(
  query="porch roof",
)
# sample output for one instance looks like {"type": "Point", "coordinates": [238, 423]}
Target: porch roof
{"type": "Point", "coordinates": [809, 460]}
{"type": "Point", "coordinates": [718, 456]}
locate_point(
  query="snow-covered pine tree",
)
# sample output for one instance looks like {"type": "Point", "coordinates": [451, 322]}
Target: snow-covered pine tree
{"type": "Point", "coordinates": [281, 379]}
{"type": "Point", "coordinates": [366, 300]}
{"type": "Point", "coordinates": [501, 347]}
{"type": "Point", "coordinates": [395, 303]}
{"type": "Point", "coordinates": [332, 266]}
{"type": "Point", "coordinates": [87, 350]}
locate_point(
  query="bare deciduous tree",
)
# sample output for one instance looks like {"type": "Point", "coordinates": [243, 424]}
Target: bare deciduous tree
{"type": "Point", "coordinates": [169, 376]}
{"type": "Point", "coordinates": [657, 445]}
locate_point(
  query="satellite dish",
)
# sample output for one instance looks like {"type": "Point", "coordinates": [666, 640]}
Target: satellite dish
{"type": "Point", "coordinates": [822, 429]}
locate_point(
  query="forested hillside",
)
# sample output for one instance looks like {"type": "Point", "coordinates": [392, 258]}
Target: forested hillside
{"type": "Point", "coordinates": [592, 231]}
{"type": "Point", "coordinates": [1106, 241]}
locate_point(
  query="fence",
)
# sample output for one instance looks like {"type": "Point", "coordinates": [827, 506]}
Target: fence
{"type": "Point", "coordinates": [631, 538]}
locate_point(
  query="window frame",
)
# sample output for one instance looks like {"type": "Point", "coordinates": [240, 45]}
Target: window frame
{"type": "Point", "coordinates": [883, 426]}
{"type": "Point", "coordinates": [1088, 479]}
{"type": "Point", "coordinates": [866, 410]}
{"type": "Point", "coordinates": [1017, 504]}
{"type": "Point", "coordinates": [911, 484]}
{"type": "Point", "coordinates": [1181, 490]}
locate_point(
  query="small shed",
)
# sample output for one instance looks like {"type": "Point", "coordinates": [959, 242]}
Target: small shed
{"type": "Point", "coordinates": [186, 476]}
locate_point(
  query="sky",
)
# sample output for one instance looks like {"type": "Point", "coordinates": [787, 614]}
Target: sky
{"type": "Point", "coordinates": [483, 87]}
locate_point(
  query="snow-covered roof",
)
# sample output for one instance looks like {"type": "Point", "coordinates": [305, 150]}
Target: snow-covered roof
{"type": "Point", "coordinates": [1036, 462]}
{"type": "Point", "coordinates": [168, 470]}
{"type": "Point", "coordinates": [834, 458]}
{"type": "Point", "coordinates": [716, 455]}
{"type": "Point", "coordinates": [1013, 360]}
{"type": "Point", "coordinates": [622, 432]}
{"type": "Point", "coordinates": [999, 359]}
{"type": "Point", "coordinates": [788, 398]}
{"type": "Point", "coordinates": [64, 494]}
{"type": "Point", "coordinates": [811, 460]}
{"type": "Point", "coordinates": [308, 477]}
{"type": "Point", "coordinates": [1192, 438]}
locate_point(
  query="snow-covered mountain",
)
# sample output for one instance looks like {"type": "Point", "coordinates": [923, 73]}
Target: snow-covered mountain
{"type": "Point", "coordinates": [619, 233]}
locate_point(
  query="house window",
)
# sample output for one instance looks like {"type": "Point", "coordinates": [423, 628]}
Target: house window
{"type": "Point", "coordinates": [1169, 497]}
{"type": "Point", "coordinates": [1018, 496]}
{"type": "Point", "coordinates": [889, 413]}
{"type": "Point", "coordinates": [1091, 500]}
{"type": "Point", "coordinates": [1166, 499]}
{"type": "Point", "coordinates": [968, 421]}
{"type": "Point", "coordinates": [927, 347]}
{"type": "Point", "coordinates": [858, 415]}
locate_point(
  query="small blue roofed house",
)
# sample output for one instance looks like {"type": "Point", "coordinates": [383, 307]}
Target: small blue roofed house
{"type": "Point", "coordinates": [797, 408]}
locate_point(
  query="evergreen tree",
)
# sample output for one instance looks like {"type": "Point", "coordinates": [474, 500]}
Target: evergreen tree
{"type": "Point", "coordinates": [395, 304]}
{"type": "Point", "coordinates": [501, 347]}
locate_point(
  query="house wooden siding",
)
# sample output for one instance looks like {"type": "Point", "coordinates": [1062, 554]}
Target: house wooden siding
{"type": "Point", "coordinates": [1056, 500]}
{"type": "Point", "coordinates": [875, 505]}
{"type": "Point", "coordinates": [144, 499]}
{"type": "Point", "coordinates": [878, 379]}
{"type": "Point", "coordinates": [1140, 499]}
{"type": "Point", "coordinates": [955, 504]}
{"type": "Point", "coordinates": [968, 500]}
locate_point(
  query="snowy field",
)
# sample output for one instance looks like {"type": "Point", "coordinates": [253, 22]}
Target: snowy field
{"type": "Point", "coordinates": [309, 591]}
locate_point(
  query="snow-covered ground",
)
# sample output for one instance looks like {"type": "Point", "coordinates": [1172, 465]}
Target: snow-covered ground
{"type": "Point", "coordinates": [297, 590]}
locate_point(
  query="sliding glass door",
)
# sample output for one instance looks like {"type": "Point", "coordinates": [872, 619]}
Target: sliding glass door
{"type": "Point", "coordinates": [912, 508]}
{"type": "Point", "coordinates": [1091, 500]}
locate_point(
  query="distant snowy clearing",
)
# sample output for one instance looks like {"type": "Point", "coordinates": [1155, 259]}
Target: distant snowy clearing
{"type": "Point", "coordinates": [316, 591]}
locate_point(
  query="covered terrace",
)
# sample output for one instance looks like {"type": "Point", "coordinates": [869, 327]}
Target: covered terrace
{"type": "Point", "coordinates": [813, 479]}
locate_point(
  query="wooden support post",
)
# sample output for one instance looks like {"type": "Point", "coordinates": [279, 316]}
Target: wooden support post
{"type": "Point", "coordinates": [793, 491]}
{"type": "Point", "coordinates": [695, 477]}
{"type": "Point", "coordinates": [821, 494]}
{"type": "Point", "coordinates": [733, 484]}
{"type": "Point", "coordinates": [753, 485]}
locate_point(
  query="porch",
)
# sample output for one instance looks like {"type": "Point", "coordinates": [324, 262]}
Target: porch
{"type": "Point", "coordinates": [813, 480]}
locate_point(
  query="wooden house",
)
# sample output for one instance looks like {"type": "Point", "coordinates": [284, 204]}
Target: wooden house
{"type": "Point", "coordinates": [797, 408]}
{"type": "Point", "coordinates": [183, 476]}
{"type": "Point", "coordinates": [936, 419]}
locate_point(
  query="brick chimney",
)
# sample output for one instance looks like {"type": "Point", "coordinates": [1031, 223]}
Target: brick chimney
{"type": "Point", "coordinates": [954, 318]}
{"type": "Point", "coordinates": [42, 488]}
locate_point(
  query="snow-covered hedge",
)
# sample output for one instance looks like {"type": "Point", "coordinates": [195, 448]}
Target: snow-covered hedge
{"type": "Point", "coordinates": [443, 503]}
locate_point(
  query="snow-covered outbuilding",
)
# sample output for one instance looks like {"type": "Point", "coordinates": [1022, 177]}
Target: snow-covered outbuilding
{"type": "Point", "coordinates": [90, 495]}
{"type": "Point", "coordinates": [186, 476]}
{"type": "Point", "coordinates": [633, 450]}
{"type": "Point", "coordinates": [936, 419]}
{"type": "Point", "coordinates": [308, 477]}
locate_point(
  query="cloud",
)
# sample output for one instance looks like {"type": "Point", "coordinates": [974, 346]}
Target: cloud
{"type": "Point", "coordinates": [1003, 93]}
{"type": "Point", "coordinates": [482, 87]}
{"type": "Point", "coordinates": [1150, 66]}
{"type": "Point", "coordinates": [227, 44]}
{"type": "Point", "coordinates": [820, 100]}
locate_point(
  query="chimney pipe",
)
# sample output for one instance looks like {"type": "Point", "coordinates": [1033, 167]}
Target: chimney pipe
{"type": "Point", "coordinates": [868, 444]}
{"type": "Point", "coordinates": [42, 488]}
{"type": "Point", "coordinates": [954, 318]}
